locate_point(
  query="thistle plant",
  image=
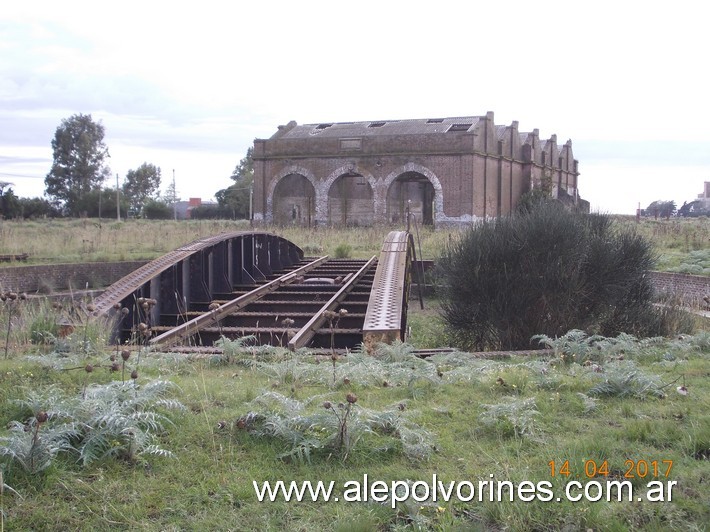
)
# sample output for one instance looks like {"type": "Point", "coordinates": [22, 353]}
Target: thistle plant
{"type": "Point", "coordinates": [109, 420]}
{"type": "Point", "coordinates": [334, 359]}
{"type": "Point", "coordinates": [141, 329]}
{"type": "Point", "coordinates": [333, 318]}
{"type": "Point", "coordinates": [125, 355]}
{"type": "Point", "coordinates": [334, 428]}
{"type": "Point", "coordinates": [343, 443]}
{"type": "Point", "coordinates": [10, 301]}
{"type": "Point", "coordinates": [516, 415]}
{"type": "Point", "coordinates": [625, 380]}
{"type": "Point", "coordinates": [32, 447]}
{"type": "Point", "coordinates": [238, 350]}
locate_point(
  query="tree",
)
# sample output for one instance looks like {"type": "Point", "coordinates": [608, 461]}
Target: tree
{"type": "Point", "coordinates": [79, 161]}
{"type": "Point", "coordinates": [4, 212]}
{"type": "Point", "coordinates": [9, 203]}
{"type": "Point", "coordinates": [141, 184]}
{"type": "Point", "coordinates": [664, 209]}
{"type": "Point", "coordinates": [157, 210]}
{"type": "Point", "coordinates": [236, 198]}
{"type": "Point", "coordinates": [101, 203]}
{"type": "Point", "coordinates": [694, 208]}
{"type": "Point", "coordinates": [245, 168]}
{"type": "Point", "coordinates": [38, 208]}
{"type": "Point", "coordinates": [4, 184]}
{"type": "Point", "coordinates": [546, 270]}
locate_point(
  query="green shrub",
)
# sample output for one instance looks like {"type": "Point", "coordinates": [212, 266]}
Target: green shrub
{"type": "Point", "coordinates": [343, 251]}
{"type": "Point", "coordinates": [157, 210]}
{"type": "Point", "coordinates": [545, 270]}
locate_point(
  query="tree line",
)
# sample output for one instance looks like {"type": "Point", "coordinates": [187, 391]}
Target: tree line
{"type": "Point", "coordinates": [667, 208]}
{"type": "Point", "coordinates": [75, 183]}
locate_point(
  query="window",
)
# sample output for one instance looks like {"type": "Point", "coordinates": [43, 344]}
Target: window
{"type": "Point", "coordinates": [459, 127]}
{"type": "Point", "coordinates": [323, 126]}
{"type": "Point", "coordinates": [377, 124]}
{"type": "Point", "coordinates": [435, 121]}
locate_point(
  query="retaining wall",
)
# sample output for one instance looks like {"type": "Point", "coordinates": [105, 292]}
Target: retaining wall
{"type": "Point", "coordinates": [58, 277]}
{"type": "Point", "coordinates": [690, 288]}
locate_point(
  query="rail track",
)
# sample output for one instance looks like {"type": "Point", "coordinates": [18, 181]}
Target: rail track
{"type": "Point", "coordinates": [260, 286]}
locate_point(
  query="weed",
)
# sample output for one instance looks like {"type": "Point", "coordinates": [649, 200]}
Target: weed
{"type": "Point", "coordinates": [343, 251]}
{"type": "Point", "coordinates": [334, 428]}
{"type": "Point", "coordinates": [11, 302]}
{"type": "Point", "coordinates": [32, 447]}
{"type": "Point", "coordinates": [511, 417]}
{"type": "Point", "coordinates": [627, 381]}
{"type": "Point", "coordinates": [114, 419]}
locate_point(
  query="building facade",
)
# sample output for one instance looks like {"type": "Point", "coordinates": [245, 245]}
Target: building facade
{"type": "Point", "coordinates": [444, 170]}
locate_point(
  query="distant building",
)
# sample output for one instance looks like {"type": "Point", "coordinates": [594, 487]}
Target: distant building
{"type": "Point", "coordinates": [183, 208]}
{"type": "Point", "coordinates": [704, 198]}
{"type": "Point", "coordinates": [445, 170]}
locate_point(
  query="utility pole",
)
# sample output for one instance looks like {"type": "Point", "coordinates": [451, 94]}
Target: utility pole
{"type": "Point", "coordinates": [118, 201]}
{"type": "Point", "coordinates": [251, 205]}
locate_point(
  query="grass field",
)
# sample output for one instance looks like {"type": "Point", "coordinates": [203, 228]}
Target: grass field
{"type": "Point", "coordinates": [85, 446]}
{"type": "Point", "coordinates": [625, 411]}
{"type": "Point", "coordinates": [681, 244]}
{"type": "Point", "coordinates": [90, 240]}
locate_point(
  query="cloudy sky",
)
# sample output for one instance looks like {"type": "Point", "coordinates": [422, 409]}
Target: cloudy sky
{"type": "Point", "coordinates": [189, 88]}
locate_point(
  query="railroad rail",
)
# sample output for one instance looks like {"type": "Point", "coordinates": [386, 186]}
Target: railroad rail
{"type": "Point", "coordinates": [259, 285]}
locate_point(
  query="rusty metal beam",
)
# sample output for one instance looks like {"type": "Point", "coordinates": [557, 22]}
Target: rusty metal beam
{"type": "Point", "coordinates": [133, 281]}
{"type": "Point", "coordinates": [196, 324]}
{"type": "Point", "coordinates": [309, 330]}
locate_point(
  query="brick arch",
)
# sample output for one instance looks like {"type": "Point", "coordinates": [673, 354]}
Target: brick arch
{"type": "Point", "coordinates": [292, 169]}
{"type": "Point", "coordinates": [431, 176]}
{"type": "Point", "coordinates": [335, 174]}
{"type": "Point", "coordinates": [327, 183]}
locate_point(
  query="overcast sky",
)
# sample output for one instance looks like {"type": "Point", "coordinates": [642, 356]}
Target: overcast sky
{"type": "Point", "coordinates": [189, 88]}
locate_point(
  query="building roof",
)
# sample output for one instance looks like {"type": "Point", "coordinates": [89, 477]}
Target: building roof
{"type": "Point", "coordinates": [421, 126]}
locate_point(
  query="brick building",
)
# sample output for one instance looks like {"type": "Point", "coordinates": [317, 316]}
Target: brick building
{"type": "Point", "coordinates": [446, 170]}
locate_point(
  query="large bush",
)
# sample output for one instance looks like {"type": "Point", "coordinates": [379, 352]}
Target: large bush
{"type": "Point", "coordinates": [157, 210]}
{"type": "Point", "coordinates": [546, 270]}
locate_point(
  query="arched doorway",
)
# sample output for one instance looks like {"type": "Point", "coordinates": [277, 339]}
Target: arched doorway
{"type": "Point", "coordinates": [294, 201]}
{"type": "Point", "coordinates": [350, 201]}
{"type": "Point", "coordinates": [412, 190]}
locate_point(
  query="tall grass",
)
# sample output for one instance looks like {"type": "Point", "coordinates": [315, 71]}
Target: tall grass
{"type": "Point", "coordinates": [90, 240]}
{"type": "Point", "coordinates": [107, 240]}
